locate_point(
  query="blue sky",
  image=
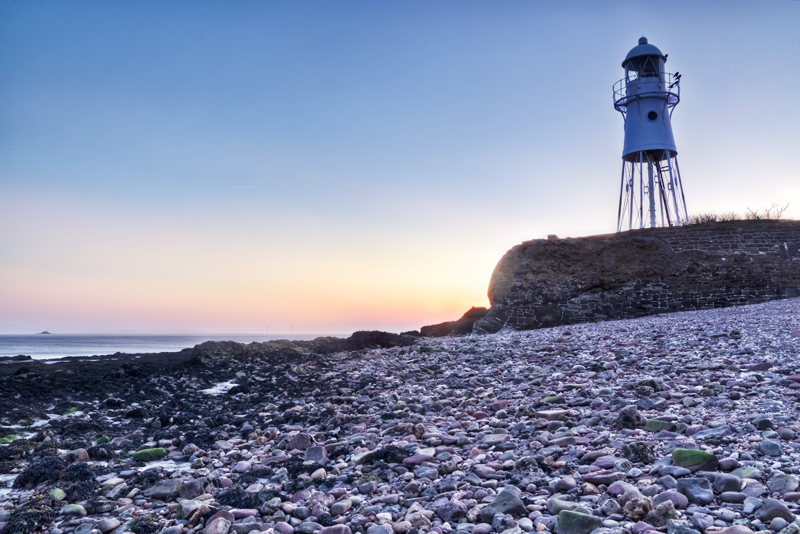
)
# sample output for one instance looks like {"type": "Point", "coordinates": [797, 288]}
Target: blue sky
{"type": "Point", "coordinates": [339, 165]}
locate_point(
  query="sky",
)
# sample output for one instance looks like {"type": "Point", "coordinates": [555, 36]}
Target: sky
{"type": "Point", "coordinates": [331, 166]}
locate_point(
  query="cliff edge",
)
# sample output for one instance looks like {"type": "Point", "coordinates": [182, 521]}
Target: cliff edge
{"type": "Point", "coordinates": [550, 282]}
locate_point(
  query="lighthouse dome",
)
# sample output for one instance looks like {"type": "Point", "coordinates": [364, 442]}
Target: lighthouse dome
{"type": "Point", "coordinates": [643, 49]}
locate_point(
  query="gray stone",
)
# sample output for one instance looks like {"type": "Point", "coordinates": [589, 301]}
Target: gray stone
{"type": "Point", "coordinates": [735, 529]}
{"type": "Point", "coordinates": [734, 497]}
{"type": "Point", "coordinates": [702, 521]}
{"type": "Point", "coordinates": [783, 483]}
{"type": "Point", "coordinates": [695, 460]}
{"type": "Point", "coordinates": [426, 472]}
{"type": "Point", "coordinates": [678, 499]}
{"type": "Point", "coordinates": [341, 507]}
{"type": "Point", "coordinates": [718, 432]}
{"type": "Point", "coordinates": [300, 441]}
{"type": "Point", "coordinates": [778, 524]}
{"type": "Point", "coordinates": [195, 488]}
{"type": "Point", "coordinates": [772, 508]}
{"type": "Point", "coordinates": [576, 523]}
{"type": "Point", "coordinates": [555, 505]}
{"type": "Point", "coordinates": [316, 453]}
{"type": "Point", "coordinates": [771, 448]}
{"type": "Point", "coordinates": [754, 489]}
{"type": "Point", "coordinates": [697, 490]}
{"type": "Point", "coordinates": [73, 509]}
{"type": "Point", "coordinates": [506, 502]}
{"type": "Point", "coordinates": [218, 525]}
{"type": "Point", "coordinates": [107, 524]}
{"type": "Point", "coordinates": [452, 511]}
{"type": "Point", "coordinates": [603, 477]}
{"type": "Point", "coordinates": [680, 526]}
{"type": "Point", "coordinates": [750, 505]}
{"type": "Point", "coordinates": [727, 482]}
{"type": "Point", "coordinates": [747, 472]}
{"type": "Point", "coordinates": [659, 515]}
{"type": "Point", "coordinates": [164, 490]}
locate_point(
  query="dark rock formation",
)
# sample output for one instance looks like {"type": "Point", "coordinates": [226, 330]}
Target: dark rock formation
{"type": "Point", "coordinates": [543, 283]}
{"type": "Point", "coordinates": [455, 328]}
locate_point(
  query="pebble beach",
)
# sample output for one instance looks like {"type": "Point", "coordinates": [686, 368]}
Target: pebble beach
{"type": "Point", "coordinates": [683, 423]}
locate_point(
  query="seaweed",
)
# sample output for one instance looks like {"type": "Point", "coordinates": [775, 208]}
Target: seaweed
{"type": "Point", "coordinates": [146, 478]}
{"type": "Point", "coordinates": [6, 466]}
{"type": "Point", "coordinates": [18, 449]}
{"type": "Point", "coordinates": [294, 466]}
{"type": "Point", "coordinates": [78, 472]}
{"type": "Point", "coordinates": [46, 469]}
{"type": "Point", "coordinates": [144, 524]}
{"type": "Point", "coordinates": [236, 497]}
{"type": "Point", "coordinates": [253, 476]}
{"type": "Point", "coordinates": [390, 454]}
{"type": "Point", "coordinates": [33, 515]}
{"type": "Point", "coordinates": [81, 491]}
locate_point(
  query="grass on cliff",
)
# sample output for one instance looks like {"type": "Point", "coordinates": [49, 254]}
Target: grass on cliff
{"type": "Point", "coordinates": [773, 212]}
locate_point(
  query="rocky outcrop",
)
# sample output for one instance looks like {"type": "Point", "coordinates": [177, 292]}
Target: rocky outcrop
{"type": "Point", "coordinates": [543, 283]}
{"type": "Point", "coordinates": [456, 328]}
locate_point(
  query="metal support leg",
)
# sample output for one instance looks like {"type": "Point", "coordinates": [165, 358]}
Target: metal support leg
{"type": "Point", "coordinates": [652, 190]}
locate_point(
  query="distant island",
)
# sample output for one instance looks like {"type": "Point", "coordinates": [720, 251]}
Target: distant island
{"type": "Point", "coordinates": [44, 332]}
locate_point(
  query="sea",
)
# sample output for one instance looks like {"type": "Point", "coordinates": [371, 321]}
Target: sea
{"type": "Point", "coordinates": [53, 346]}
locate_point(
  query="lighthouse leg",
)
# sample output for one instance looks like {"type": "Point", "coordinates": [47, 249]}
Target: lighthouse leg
{"type": "Point", "coordinates": [680, 186]}
{"type": "Point", "coordinates": [621, 188]}
{"type": "Point", "coordinates": [679, 217]}
{"type": "Point", "coordinates": [651, 191]}
{"type": "Point", "coordinates": [641, 192]}
{"type": "Point", "coordinates": [632, 196]}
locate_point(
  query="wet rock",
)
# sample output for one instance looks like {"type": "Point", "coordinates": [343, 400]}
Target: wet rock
{"type": "Point", "coordinates": [725, 482]}
{"type": "Point", "coordinates": [696, 490]}
{"type": "Point", "coordinates": [73, 510]}
{"type": "Point", "coordinates": [506, 502]}
{"type": "Point", "coordinates": [300, 441]}
{"type": "Point", "coordinates": [772, 508]}
{"type": "Point", "coordinates": [638, 452]}
{"type": "Point", "coordinates": [629, 417]}
{"type": "Point", "coordinates": [662, 512]}
{"type": "Point", "coordinates": [735, 529]}
{"type": "Point", "coordinates": [218, 525]}
{"type": "Point", "coordinates": [107, 524]}
{"type": "Point", "coordinates": [695, 460]}
{"type": "Point", "coordinates": [577, 523]}
{"type": "Point", "coordinates": [771, 448]}
{"type": "Point", "coordinates": [164, 490]}
{"type": "Point", "coordinates": [783, 483]}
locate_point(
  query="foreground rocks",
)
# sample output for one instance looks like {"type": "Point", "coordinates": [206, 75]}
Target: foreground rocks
{"type": "Point", "coordinates": [683, 423]}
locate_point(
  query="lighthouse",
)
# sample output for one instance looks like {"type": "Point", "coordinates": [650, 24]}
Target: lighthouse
{"type": "Point", "coordinates": [651, 191]}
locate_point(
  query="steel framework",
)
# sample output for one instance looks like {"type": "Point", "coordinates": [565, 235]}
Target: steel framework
{"type": "Point", "coordinates": [658, 186]}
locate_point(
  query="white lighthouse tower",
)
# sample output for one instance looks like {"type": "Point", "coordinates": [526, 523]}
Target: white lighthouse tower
{"type": "Point", "coordinates": [651, 192]}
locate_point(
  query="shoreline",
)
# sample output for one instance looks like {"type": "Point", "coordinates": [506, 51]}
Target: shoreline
{"type": "Point", "coordinates": [692, 416]}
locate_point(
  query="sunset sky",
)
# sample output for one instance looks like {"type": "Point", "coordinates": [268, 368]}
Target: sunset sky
{"type": "Point", "coordinates": [177, 166]}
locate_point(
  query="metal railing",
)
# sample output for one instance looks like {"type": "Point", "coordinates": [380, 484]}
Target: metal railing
{"type": "Point", "coordinates": [668, 85]}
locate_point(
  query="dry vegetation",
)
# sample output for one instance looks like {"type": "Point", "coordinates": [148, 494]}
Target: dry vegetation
{"type": "Point", "coordinates": [772, 212]}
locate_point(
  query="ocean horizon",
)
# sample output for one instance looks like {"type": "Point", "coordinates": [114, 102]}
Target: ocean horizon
{"type": "Point", "coordinates": [53, 345]}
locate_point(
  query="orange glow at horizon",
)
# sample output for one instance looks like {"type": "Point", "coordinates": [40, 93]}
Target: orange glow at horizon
{"type": "Point", "coordinates": [134, 275]}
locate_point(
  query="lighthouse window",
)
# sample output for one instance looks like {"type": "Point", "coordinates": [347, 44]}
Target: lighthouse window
{"type": "Point", "coordinates": [652, 115]}
{"type": "Point", "coordinates": [642, 67]}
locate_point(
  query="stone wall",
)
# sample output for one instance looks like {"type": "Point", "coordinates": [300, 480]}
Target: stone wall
{"type": "Point", "coordinates": [549, 282]}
